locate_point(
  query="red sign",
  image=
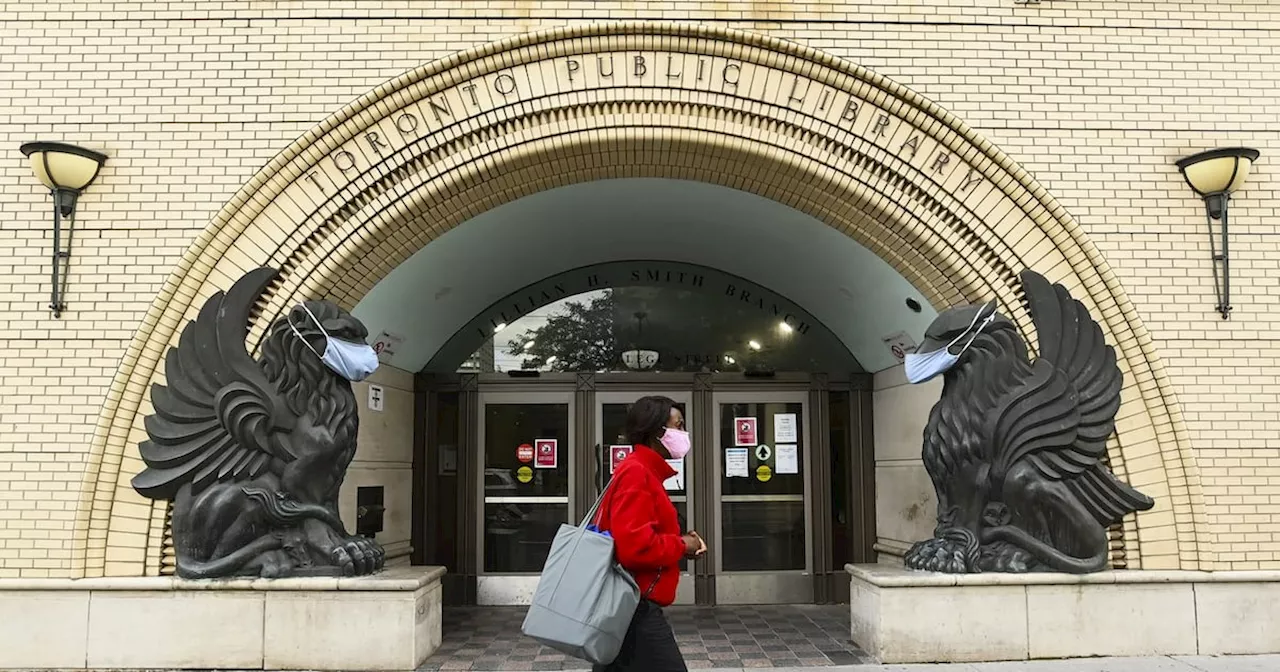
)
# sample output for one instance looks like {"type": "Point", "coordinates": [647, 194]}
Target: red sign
{"type": "Point", "coordinates": [524, 453]}
{"type": "Point", "coordinates": [616, 455]}
{"type": "Point", "coordinates": [745, 431]}
{"type": "Point", "coordinates": [548, 453]}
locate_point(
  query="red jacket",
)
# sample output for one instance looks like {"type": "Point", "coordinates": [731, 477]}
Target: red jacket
{"type": "Point", "coordinates": [639, 515]}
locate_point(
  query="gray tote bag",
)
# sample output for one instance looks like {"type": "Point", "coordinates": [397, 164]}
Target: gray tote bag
{"type": "Point", "coordinates": [585, 600]}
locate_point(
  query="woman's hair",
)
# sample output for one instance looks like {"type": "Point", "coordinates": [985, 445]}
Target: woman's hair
{"type": "Point", "coordinates": [647, 419]}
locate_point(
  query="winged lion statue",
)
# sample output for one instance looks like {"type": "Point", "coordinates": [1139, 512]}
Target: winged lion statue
{"type": "Point", "coordinates": [253, 453]}
{"type": "Point", "coordinates": [1016, 446]}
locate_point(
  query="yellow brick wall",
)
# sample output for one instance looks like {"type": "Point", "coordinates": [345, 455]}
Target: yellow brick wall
{"type": "Point", "coordinates": [190, 99]}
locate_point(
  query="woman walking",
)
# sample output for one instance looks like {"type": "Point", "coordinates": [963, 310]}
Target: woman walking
{"type": "Point", "coordinates": [648, 542]}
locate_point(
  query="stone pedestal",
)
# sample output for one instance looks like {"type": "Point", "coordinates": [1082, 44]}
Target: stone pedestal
{"type": "Point", "coordinates": [900, 616]}
{"type": "Point", "coordinates": [391, 621]}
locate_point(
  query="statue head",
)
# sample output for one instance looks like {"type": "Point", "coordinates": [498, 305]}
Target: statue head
{"type": "Point", "coordinates": [949, 336]}
{"type": "Point", "coordinates": [335, 337]}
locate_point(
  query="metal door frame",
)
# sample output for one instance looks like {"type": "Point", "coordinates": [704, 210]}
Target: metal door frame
{"type": "Point", "coordinates": [495, 589]}
{"type": "Point", "coordinates": [769, 587]}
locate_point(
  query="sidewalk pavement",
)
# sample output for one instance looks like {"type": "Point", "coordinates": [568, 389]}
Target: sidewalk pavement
{"type": "Point", "coordinates": [1159, 664]}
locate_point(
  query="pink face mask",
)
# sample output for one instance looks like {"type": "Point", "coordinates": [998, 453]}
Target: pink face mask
{"type": "Point", "coordinates": [676, 441]}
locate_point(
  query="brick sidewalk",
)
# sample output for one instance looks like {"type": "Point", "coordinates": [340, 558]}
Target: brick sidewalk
{"type": "Point", "coordinates": [488, 638]}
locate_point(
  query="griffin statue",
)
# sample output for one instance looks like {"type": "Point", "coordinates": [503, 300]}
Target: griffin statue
{"type": "Point", "coordinates": [1015, 446]}
{"type": "Point", "coordinates": [252, 453]}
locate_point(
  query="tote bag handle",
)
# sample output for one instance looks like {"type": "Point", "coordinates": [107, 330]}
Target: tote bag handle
{"type": "Point", "coordinates": [591, 514]}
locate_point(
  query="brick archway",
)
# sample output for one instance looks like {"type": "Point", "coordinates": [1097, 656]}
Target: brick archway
{"type": "Point", "coordinates": [368, 187]}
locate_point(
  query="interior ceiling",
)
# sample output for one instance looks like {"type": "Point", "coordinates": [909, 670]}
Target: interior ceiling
{"type": "Point", "coordinates": [438, 290]}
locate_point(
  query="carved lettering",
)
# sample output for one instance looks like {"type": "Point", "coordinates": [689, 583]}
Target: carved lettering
{"type": "Point", "coordinates": [913, 144]}
{"type": "Point", "coordinates": [471, 89]}
{"type": "Point", "coordinates": [641, 66]}
{"type": "Point", "coordinates": [670, 62]}
{"type": "Point", "coordinates": [593, 281]}
{"type": "Point", "coordinates": [882, 126]}
{"type": "Point", "coordinates": [792, 97]}
{"type": "Point", "coordinates": [342, 157]}
{"type": "Point", "coordinates": [850, 110]}
{"type": "Point", "coordinates": [822, 102]}
{"type": "Point", "coordinates": [312, 177]}
{"type": "Point", "coordinates": [437, 108]}
{"type": "Point", "coordinates": [407, 123]}
{"type": "Point", "coordinates": [941, 161]}
{"type": "Point", "coordinates": [600, 67]}
{"type": "Point", "coordinates": [736, 71]}
{"type": "Point", "coordinates": [702, 68]}
{"type": "Point", "coordinates": [375, 142]}
{"type": "Point", "coordinates": [572, 65]}
{"type": "Point", "coordinates": [505, 84]}
{"type": "Point", "coordinates": [970, 180]}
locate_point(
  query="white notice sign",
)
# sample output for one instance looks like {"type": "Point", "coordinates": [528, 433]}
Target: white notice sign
{"type": "Point", "coordinates": [675, 482]}
{"type": "Point", "coordinates": [784, 428]}
{"type": "Point", "coordinates": [788, 459]}
{"type": "Point", "coordinates": [385, 345]}
{"type": "Point", "coordinates": [735, 462]}
{"type": "Point", "coordinates": [375, 398]}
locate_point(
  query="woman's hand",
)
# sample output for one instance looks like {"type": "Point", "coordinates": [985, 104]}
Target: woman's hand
{"type": "Point", "coordinates": [694, 546]}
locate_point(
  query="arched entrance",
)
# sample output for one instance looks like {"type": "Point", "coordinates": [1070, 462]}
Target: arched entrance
{"type": "Point", "coordinates": [354, 197]}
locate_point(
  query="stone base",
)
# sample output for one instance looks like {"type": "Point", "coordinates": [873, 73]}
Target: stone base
{"type": "Point", "coordinates": [900, 616]}
{"type": "Point", "coordinates": [391, 621]}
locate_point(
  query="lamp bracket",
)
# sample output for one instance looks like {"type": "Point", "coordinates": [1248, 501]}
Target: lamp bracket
{"type": "Point", "coordinates": [1215, 208]}
{"type": "Point", "coordinates": [64, 207]}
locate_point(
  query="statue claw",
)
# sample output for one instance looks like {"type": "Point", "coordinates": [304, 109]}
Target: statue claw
{"type": "Point", "coordinates": [358, 556]}
{"type": "Point", "coordinates": [953, 551]}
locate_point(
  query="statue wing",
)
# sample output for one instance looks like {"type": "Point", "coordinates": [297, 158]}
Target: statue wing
{"type": "Point", "coordinates": [219, 417]}
{"type": "Point", "coordinates": [1060, 417]}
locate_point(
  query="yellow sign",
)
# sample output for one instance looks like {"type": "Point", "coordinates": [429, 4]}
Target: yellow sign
{"type": "Point", "coordinates": [524, 474]}
{"type": "Point", "coordinates": [763, 473]}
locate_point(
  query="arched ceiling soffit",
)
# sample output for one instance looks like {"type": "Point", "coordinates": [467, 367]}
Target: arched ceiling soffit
{"type": "Point", "coordinates": [727, 238]}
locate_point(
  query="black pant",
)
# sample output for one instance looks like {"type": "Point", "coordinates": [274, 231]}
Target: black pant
{"type": "Point", "coordinates": [650, 644]}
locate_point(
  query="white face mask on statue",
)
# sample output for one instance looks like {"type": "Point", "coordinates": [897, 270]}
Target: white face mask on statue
{"type": "Point", "coordinates": [923, 367]}
{"type": "Point", "coordinates": [353, 361]}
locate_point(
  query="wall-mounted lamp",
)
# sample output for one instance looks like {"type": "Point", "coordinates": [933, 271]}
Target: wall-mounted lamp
{"type": "Point", "coordinates": [66, 170]}
{"type": "Point", "coordinates": [1214, 175]}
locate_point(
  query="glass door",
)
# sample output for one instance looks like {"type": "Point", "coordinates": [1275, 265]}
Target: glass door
{"type": "Point", "coordinates": [612, 447]}
{"type": "Point", "coordinates": [763, 510]}
{"type": "Point", "coordinates": [526, 478]}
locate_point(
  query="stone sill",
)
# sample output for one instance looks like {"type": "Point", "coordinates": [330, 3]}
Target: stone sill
{"type": "Point", "coordinates": [899, 616]}
{"type": "Point", "coordinates": [392, 579]}
{"type": "Point", "coordinates": [391, 621]}
{"type": "Point", "coordinates": [890, 576]}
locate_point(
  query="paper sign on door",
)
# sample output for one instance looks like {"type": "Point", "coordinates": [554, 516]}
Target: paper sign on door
{"type": "Point", "coordinates": [788, 459]}
{"type": "Point", "coordinates": [675, 482]}
{"type": "Point", "coordinates": [548, 453]}
{"type": "Point", "coordinates": [616, 455]}
{"type": "Point", "coordinates": [735, 462]}
{"type": "Point", "coordinates": [745, 431]}
{"type": "Point", "coordinates": [784, 428]}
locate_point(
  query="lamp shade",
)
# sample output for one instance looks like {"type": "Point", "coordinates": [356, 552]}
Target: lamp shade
{"type": "Point", "coordinates": [1218, 171]}
{"type": "Point", "coordinates": [62, 166]}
